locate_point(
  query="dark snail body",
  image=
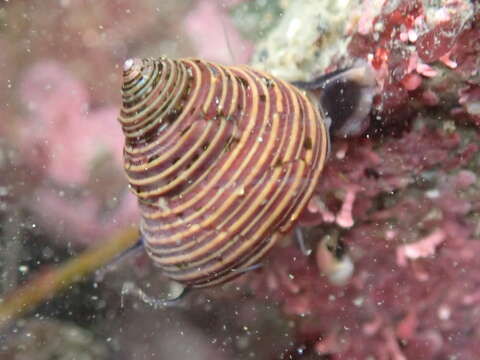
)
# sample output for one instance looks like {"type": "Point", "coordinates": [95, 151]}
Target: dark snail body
{"type": "Point", "coordinates": [222, 159]}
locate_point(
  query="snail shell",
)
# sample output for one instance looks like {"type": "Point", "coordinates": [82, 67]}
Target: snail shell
{"type": "Point", "coordinates": [222, 159]}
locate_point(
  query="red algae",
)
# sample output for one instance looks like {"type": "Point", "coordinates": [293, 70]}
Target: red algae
{"type": "Point", "coordinates": [409, 44]}
{"type": "Point", "coordinates": [403, 200]}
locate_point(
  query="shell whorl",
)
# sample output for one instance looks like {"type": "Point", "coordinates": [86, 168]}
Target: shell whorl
{"type": "Point", "coordinates": [222, 160]}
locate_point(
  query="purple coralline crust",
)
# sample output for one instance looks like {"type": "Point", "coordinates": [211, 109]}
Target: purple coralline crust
{"type": "Point", "coordinates": [404, 200]}
{"type": "Point", "coordinates": [415, 292]}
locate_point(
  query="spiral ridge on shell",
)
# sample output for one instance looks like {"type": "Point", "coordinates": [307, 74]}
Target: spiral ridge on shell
{"type": "Point", "coordinates": [222, 159]}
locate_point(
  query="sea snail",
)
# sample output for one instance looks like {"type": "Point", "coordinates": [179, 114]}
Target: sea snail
{"type": "Point", "coordinates": [223, 160]}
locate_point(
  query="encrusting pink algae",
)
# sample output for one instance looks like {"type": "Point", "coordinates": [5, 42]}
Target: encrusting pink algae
{"type": "Point", "coordinates": [402, 200]}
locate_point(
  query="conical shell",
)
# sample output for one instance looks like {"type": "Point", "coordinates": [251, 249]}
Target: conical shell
{"type": "Point", "coordinates": [222, 159]}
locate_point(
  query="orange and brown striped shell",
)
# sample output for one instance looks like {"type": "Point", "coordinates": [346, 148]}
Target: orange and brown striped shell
{"type": "Point", "coordinates": [223, 159]}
